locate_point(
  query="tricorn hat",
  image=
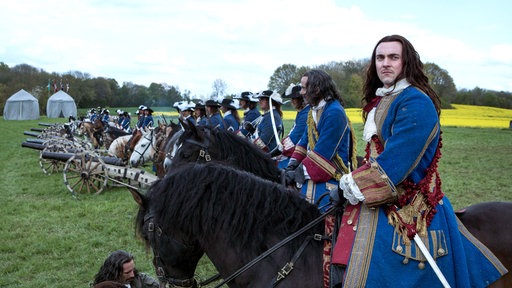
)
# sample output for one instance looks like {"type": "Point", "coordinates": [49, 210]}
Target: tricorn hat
{"type": "Point", "coordinates": [212, 103]}
{"type": "Point", "coordinates": [148, 109]}
{"type": "Point", "coordinates": [199, 105]}
{"type": "Point", "coordinates": [247, 96]}
{"type": "Point", "coordinates": [271, 95]}
{"type": "Point", "coordinates": [230, 104]}
{"type": "Point", "coordinates": [293, 91]}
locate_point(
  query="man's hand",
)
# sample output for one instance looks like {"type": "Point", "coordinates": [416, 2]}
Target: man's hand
{"type": "Point", "coordinates": [295, 177]}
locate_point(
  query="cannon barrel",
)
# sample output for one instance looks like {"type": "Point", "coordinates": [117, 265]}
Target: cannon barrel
{"type": "Point", "coordinates": [33, 145]}
{"type": "Point", "coordinates": [46, 124]}
{"type": "Point", "coordinates": [66, 156]}
{"type": "Point", "coordinates": [37, 129]}
{"type": "Point", "coordinates": [30, 133]}
{"type": "Point", "coordinates": [35, 140]}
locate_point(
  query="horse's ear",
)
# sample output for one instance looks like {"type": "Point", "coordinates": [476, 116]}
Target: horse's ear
{"type": "Point", "coordinates": [138, 197]}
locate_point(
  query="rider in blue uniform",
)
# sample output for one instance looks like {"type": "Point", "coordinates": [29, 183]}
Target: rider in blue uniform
{"type": "Point", "coordinates": [229, 109]}
{"type": "Point", "coordinates": [187, 111]}
{"type": "Point", "coordinates": [264, 135]}
{"type": "Point", "coordinates": [325, 150]}
{"type": "Point", "coordinates": [214, 118]}
{"type": "Point", "coordinates": [148, 118]}
{"type": "Point", "coordinates": [299, 125]}
{"type": "Point", "coordinates": [252, 115]}
{"type": "Point", "coordinates": [200, 114]}
{"type": "Point", "coordinates": [105, 118]}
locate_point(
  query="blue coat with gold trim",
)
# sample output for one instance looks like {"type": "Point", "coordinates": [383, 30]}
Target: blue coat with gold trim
{"type": "Point", "coordinates": [333, 139]}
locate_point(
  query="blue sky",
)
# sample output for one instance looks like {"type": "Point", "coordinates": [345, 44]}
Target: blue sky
{"type": "Point", "coordinates": [190, 44]}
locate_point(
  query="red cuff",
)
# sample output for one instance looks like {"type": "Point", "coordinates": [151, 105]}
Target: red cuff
{"type": "Point", "coordinates": [299, 153]}
{"type": "Point", "coordinates": [319, 168]}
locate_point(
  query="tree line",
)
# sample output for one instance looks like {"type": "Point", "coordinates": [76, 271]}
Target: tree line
{"type": "Point", "coordinates": [88, 91]}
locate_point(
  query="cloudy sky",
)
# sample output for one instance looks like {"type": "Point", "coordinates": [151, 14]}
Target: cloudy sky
{"type": "Point", "coordinates": [190, 44]}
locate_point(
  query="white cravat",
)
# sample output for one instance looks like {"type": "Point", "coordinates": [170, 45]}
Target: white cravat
{"type": "Point", "coordinates": [370, 128]}
{"type": "Point", "coordinates": [315, 109]}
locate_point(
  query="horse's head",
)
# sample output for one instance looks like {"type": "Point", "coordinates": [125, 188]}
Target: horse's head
{"type": "Point", "coordinates": [144, 149]}
{"type": "Point", "coordinates": [194, 145]}
{"type": "Point", "coordinates": [174, 256]}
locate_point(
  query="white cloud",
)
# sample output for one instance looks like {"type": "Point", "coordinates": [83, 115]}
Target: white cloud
{"type": "Point", "coordinates": [189, 44]}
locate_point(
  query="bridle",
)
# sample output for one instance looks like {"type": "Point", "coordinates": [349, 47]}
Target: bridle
{"type": "Point", "coordinates": [156, 232]}
{"type": "Point", "coordinates": [141, 154]}
{"type": "Point", "coordinates": [204, 146]}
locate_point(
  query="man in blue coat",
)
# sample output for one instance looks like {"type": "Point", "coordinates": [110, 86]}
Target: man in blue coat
{"type": "Point", "coordinates": [214, 117]}
{"type": "Point", "coordinates": [299, 124]}
{"type": "Point", "coordinates": [264, 135]}
{"type": "Point", "coordinates": [395, 198]}
{"type": "Point", "coordinates": [229, 108]}
{"type": "Point", "coordinates": [252, 115]}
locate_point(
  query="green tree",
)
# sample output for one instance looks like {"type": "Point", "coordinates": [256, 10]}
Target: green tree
{"type": "Point", "coordinates": [441, 82]}
{"type": "Point", "coordinates": [283, 76]}
{"type": "Point", "coordinates": [156, 93]}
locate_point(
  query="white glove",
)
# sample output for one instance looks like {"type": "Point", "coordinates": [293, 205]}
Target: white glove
{"type": "Point", "coordinates": [350, 190]}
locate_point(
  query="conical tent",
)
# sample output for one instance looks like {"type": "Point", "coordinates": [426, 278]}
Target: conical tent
{"type": "Point", "coordinates": [61, 105]}
{"type": "Point", "coordinates": [21, 106]}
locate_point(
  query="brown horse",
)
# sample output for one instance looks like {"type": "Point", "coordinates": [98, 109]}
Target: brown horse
{"type": "Point", "coordinates": [168, 130]}
{"type": "Point", "coordinates": [488, 222]}
{"type": "Point", "coordinates": [93, 131]}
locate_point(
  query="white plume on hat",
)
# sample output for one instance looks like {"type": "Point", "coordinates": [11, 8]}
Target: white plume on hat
{"type": "Point", "coordinates": [274, 96]}
{"type": "Point", "coordinates": [235, 103]}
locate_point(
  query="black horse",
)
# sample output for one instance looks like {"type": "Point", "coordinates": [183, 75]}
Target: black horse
{"type": "Point", "coordinates": [200, 208]}
{"type": "Point", "coordinates": [205, 208]}
{"type": "Point", "coordinates": [203, 144]}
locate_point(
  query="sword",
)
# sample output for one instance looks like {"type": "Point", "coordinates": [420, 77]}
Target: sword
{"type": "Point", "coordinates": [276, 135]}
{"type": "Point", "coordinates": [431, 261]}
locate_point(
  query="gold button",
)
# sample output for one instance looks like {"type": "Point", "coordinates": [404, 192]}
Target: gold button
{"type": "Point", "coordinates": [405, 261]}
{"type": "Point", "coordinates": [383, 176]}
{"type": "Point", "coordinates": [399, 249]}
{"type": "Point", "coordinates": [441, 251]}
{"type": "Point", "coordinates": [421, 265]}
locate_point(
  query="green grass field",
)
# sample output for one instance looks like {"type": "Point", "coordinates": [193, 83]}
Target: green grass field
{"type": "Point", "coordinates": [50, 239]}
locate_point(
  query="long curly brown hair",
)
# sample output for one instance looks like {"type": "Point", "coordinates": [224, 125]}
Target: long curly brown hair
{"type": "Point", "coordinates": [320, 86]}
{"type": "Point", "coordinates": [412, 71]}
{"type": "Point", "coordinates": [112, 268]}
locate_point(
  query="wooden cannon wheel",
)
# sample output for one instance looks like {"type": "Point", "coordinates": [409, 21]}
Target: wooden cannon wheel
{"type": "Point", "coordinates": [50, 166]}
{"type": "Point", "coordinates": [85, 173]}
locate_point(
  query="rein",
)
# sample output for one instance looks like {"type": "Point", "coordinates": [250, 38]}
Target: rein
{"type": "Point", "coordinates": [289, 266]}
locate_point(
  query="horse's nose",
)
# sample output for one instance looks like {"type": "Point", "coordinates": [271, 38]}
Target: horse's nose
{"type": "Point", "coordinates": [134, 163]}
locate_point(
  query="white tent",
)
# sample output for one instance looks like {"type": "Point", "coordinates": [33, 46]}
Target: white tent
{"type": "Point", "coordinates": [61, 105]}
{"type": "Point", "coordinates": [21, 106]}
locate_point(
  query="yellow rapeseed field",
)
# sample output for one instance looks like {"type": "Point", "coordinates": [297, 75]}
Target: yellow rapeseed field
{"type": "Point", "coordinates": [461, 116]}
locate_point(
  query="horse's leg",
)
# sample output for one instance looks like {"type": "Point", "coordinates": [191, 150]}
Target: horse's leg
{"type": "Point", "coordinates": [488, 222]}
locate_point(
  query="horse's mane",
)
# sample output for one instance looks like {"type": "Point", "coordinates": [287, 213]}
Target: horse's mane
{"type": "Point", "coordinates": [242, 153]}
{"type": "Point", "coordinates": [202, 200]}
